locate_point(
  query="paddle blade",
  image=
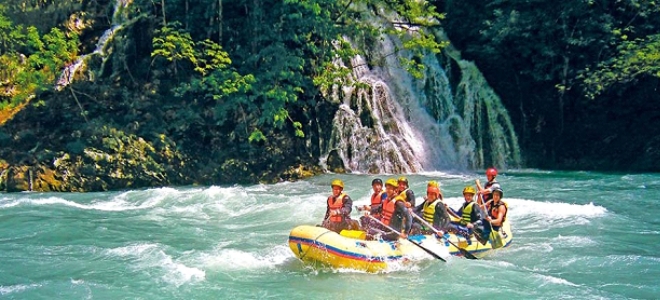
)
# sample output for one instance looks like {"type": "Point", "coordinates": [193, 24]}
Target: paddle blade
{"type": "Point", "coordinates": [467, 254]}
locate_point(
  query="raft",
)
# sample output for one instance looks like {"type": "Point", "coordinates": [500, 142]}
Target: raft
{"type": "Point", "coordinates": [350, 250]}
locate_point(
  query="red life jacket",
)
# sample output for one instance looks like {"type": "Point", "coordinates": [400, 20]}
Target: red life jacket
{"type": "Point", "coordinates": [389, 206]}
{"type": "Point", "coordinates": [493, 212]}
{"type": "Point", "coordinates": [376, 199]}
{"type": "Point", "coordinates": [337, 204]}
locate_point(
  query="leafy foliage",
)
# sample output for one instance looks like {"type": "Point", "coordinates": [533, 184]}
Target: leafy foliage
{"type": "Point", "coordinates": [31, 62]}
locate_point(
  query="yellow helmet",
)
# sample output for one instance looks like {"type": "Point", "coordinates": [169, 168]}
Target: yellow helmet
{"type": "Point", "coordinates": [469, 190]}
{"type": "Point", "coordinates": [433, 183]}
{"type": "Point", "coordinates": [403, 179]}
{"type": "Point", "coordinates": [337, 182]}
{"type": "Point", "coordinates": [392, 182]}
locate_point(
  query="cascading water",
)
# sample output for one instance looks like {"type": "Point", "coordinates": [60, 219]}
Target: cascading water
{"type": "Point", "coordinates": [369, 131]}
{"type": "Point", "coordinates": [390, 122]}
{"type": "Point", "coordinates": [118, 18]}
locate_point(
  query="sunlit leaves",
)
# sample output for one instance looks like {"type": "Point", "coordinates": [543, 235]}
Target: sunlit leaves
{"type": "Point", "coordinates": [31, 62]}
{"type": "Point", "coordinates": [634, 58]}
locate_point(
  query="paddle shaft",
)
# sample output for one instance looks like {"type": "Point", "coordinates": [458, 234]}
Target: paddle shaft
{"type": "Point", "coordinates": [411, 241]}
{"type": "Point", "coordinates": [465, 253]}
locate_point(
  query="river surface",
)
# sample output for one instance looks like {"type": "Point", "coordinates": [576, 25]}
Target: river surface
{"type": "Point", "coordinates": [577, 235]}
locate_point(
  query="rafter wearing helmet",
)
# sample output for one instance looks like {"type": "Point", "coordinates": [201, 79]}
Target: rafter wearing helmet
{"type": "Point", "coordinates": [339, 207]}
{"type": "Point", "coordinates": [486, 191]}
{"type": "Point", "coordinates": [433, 210]}
{"type": "Point", "coordinates": [405, 192]}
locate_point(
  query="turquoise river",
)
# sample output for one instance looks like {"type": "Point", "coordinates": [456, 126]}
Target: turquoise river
{"type": "Point", "coordinates": [578, 235]}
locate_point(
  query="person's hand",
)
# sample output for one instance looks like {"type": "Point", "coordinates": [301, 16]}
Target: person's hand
{"type": "Point", "coordinates": [408, 204]}
{"type": "Point", "coordinates": [403, 236]}
{"type": "Point", "coordinates": [470, 225]}
{"type": "Point", "coordinates": [366, 207]}
{"type": "Point", "coordinates": [477, 181]}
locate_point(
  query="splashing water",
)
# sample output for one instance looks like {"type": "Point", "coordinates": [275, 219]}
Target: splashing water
{"type": "Point", "coordinates": [573, 239]}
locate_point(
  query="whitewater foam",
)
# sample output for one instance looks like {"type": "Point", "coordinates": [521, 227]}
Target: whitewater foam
{"type": "Point", "coordinates": [574, 241]}
{"type": "Point", "coordinates": [234, 259]}
{"type": "Point", "coordinates": [151, 256]}
{"type": "Point", "coordinates": [547, 279]}
{"type": "Point", "coordinates": [6, 290]}
{"type": "Point", "coordinates": [133, 200]}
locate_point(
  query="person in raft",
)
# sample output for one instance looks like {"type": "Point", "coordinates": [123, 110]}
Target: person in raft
{"type": "Point", "coordinates": [378, 196]}
{"type": "Point", "coordinates": [497, 209]}
{"type": "Point", "coordinates": [405, 192]}
{"type": "Point", "coordinates": [339, 207]}
{"type": "Point", "coordinates": [394, 213]}
{"type": "Point", "coordinates": [433, 210]}
{"type": "Point", "coordinates": [470, 217]}
{"type": "Point", "coordinates": [486, 191]}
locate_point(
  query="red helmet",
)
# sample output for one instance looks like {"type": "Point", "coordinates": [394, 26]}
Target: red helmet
{"type": "Point", "coordinates": [491, 172]}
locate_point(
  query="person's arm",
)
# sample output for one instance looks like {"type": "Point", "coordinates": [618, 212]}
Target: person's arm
{"type": "Point", "coordinates": [441, 218]}
{"type": "Point", "coordinates": [454, 213]}
{"type": "Point", "coordinates": [407, 217]}
{"type": "Point", "coordinates": [480, 190]}
{"type": "Point", "coordinates": [418, 210]}
{"type": "Point", "coordinates": [479, 187]}
{"type": "Point", "coordinates": [348, 206]}
{"type": "Point", "coordinates": [475, 215]}
{"type": "Point", "coordinates": [376, 209]}
{"type": "Point", "coordinates": [500, 216]}
{"type": "Point", "coordinates": [410, 196]}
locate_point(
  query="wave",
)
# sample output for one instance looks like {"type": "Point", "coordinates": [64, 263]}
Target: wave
{"type": "Point", "coordinates": [234, 259]}
{"type": "Point", "coordinates": [547, 279]}
{"type": "Point", "coordinates": [554, 210]}
{"type": "Point", "coordinates": [444, 175]}
{"type": "Point", "coordinates": [132, 200]}
{"type": "Point", "coordinates": [150, 256]}
{"type": "Point", "coordinates": [6, 290]}
{"type": "Point", "coordinates": [574, 241]}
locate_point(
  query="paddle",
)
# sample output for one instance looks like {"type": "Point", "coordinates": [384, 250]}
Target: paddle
{"type": "Point", "coordinates": [495, 239]}
{"type": "Point", "coordinates": [410, 240]}
{"type": "Point", "coordinates": [465, 253]}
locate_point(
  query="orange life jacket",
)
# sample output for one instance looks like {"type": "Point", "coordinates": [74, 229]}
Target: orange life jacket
{"type": "Point", "coordinates": [493, 212]}
{"type": "Point", "coordinates": [337, 204]}
{"type": "Point", "coordinates": [376, 199]}
{"type": "Point", "coordinates": [389, 206]}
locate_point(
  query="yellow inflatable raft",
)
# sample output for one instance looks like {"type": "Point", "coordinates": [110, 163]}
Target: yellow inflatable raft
{"type": "Point", "coordinates": [317, 245]}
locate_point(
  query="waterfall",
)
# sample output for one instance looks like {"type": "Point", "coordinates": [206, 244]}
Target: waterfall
{"type": "Point", "coordinates": [390, 122]}
{"type": "Point", "coordinates": [118, 18]}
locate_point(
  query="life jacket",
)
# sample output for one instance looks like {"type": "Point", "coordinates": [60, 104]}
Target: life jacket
{"type": "Point", "coordinates": [429, 210]}
{"type": "Point", "coordinates": [467, 213]}
{"type": "Point", "coordinates": [493, 208]}
{"type": "Point", "coordinates": [389, 206]}
{"type": "Point", "coordinates": [403, 195]}
{"type": "Point", "coordinates": [488, 185]}
{"type": "Point", "coordinates": [337, 204]}
{"type": "Point", "coordinates": [376, 199]}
